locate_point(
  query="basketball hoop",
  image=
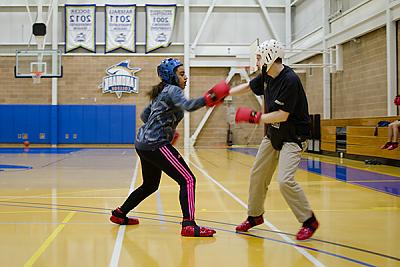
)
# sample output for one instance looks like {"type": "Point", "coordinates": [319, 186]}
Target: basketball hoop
{"type": "Point", "coordinates": [36, 76]}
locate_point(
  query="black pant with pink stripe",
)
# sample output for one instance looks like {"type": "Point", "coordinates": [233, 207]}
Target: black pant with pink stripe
{"type": "Point", "coordinates": [165, 159]}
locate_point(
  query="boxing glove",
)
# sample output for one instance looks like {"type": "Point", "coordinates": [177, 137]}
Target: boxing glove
{"type": "Point", "coordinates": [247, 115]}
{"type": "Point", "coordinates": [214, 96]}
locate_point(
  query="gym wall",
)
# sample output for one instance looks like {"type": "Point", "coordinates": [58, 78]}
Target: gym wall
{"type": "Point", "coordinates": [312, 84]}
{"type": "Point", "coordinates": [83, 74]}
{"type": "Point", "coordinates": [360, 90]}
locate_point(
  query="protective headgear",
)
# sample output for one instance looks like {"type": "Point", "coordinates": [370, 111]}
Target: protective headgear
{"type": "Point", "coordinates": [269, 52]}
{"type": "Point", "coordinates": [166, 70]}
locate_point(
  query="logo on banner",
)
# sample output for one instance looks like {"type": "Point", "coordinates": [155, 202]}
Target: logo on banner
{"type": "Point", "coordinates": [161, 37]}
{"type": "Point", "coordinates": [120, 79]}
{"type": "Point", "coordinates": [120, 38]}
{"type": "Point", "coordinates": [80, 37]}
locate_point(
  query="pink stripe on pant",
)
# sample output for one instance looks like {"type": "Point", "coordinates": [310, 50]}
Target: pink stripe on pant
{"type": "Point", "coordinates": [186, 174]}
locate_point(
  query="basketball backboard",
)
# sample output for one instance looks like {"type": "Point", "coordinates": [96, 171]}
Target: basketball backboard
{"type": "Point", "coordinates": [30, 63]}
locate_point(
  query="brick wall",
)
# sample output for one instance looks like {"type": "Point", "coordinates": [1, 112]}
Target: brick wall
{"type": "Point", "coordinates": [215, 131]}
{"type": "Point", "coordinates": [360, 90]}
{"type": "Point", "coordinates": [83, 74]}
{"type": "Point", "coordinates": [21, 91]}
{"type": "Point", "coordinates": [312, 83]}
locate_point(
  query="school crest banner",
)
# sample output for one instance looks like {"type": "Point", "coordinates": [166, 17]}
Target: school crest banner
{"type": "Point", "coordinates": [120, 27]}
{"type": "Point", "coordinates": [80, 31]}
{"type": "Point", "coordinates": [160, 20]}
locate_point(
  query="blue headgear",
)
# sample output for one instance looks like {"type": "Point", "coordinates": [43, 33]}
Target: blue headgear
{"type": "Point", "coordinates": [166, 70]}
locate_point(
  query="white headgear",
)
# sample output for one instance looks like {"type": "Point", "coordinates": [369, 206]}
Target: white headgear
{"type": "Point", "coordinates": [270, 51]}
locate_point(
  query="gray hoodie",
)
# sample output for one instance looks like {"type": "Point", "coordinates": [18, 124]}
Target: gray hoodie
{"type": "Point", "coordinates": [162, 116]}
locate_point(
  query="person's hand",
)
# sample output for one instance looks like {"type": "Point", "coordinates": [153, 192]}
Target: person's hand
{"type": "Point", "coordinates": [175, 138]}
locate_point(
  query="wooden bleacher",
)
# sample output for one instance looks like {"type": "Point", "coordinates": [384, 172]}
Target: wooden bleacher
{"type": "Point", "coordinates": [360, 139]}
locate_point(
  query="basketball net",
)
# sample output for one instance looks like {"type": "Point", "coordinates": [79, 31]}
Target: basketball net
{"type": "Point", "coordinates": [36, 76]}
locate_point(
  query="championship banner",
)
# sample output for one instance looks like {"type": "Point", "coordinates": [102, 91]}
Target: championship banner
{"type": "Point", "coordinates": [120, 27]}
{"type": "Point", "coordinates": [80, 31]}
{"type": "Point", "coordinates": [160, 20]}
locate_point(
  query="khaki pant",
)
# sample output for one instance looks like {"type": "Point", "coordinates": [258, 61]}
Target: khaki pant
{"type": "Point", "coordinates": [288, 160]}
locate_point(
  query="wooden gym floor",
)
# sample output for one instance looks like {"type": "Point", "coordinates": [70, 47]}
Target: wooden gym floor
{"type": "Point", "coordinates": [55, 205]}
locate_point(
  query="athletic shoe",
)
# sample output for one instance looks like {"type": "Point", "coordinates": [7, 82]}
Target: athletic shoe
{"type": "Point", "coordinates": [308, 229]}
{"type": "Point", "coordinates": [388, 144]}
{"type": "Point", "coordinates": [249, 223]}
{"type": "Point", "coordinates": [393, 146]}
{"type": "Point", "coordinates": [119, 217]}
{"type": "Point", "coordinates": [190, 228]}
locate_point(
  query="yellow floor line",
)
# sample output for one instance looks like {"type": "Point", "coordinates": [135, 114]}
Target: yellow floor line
{"type": "Point", "coordinates": [48, 241]}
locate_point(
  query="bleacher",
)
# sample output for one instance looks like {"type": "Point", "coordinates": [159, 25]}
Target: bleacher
{"type": "Point", "coordinates": [359, 137]}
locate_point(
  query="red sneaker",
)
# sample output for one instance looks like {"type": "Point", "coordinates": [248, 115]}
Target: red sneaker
{"type": "Point", "coordinates": [249, 223]}
{"type": "Point", "coordinates": [308, 229]}
{"type": "Point", "coordinates": [393, 146]}
{"type": "Point", "coordinates": [119, 217]}
{"type": "Point", "coordinates": [388, 144]}
{"type": "Point", "coordinates": [190, 228]}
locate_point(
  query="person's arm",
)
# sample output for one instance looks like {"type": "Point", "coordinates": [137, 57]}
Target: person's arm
{"type": "Point", "coordinates": [144, 116]}
{"type": "Point", "coordinates": [240, 89]}
{"type": "Point", "coordinates": [275, 116]}
{"type": "Point", "coordinates": [256, 85]}
{"type": "Point", "coordinates": [211, 98]}
{"type": "Point", "coordinates": [179, 100]}
{"type": "Point", "coordinates": [244, 114]}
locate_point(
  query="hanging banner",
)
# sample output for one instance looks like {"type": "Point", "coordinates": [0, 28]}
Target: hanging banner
{"type": "Point", "coordinates": [120, 27]}
{"type": "Point", "coordinates": [160, 20]}
{"type": "Point", "coordinates": [80, 31]}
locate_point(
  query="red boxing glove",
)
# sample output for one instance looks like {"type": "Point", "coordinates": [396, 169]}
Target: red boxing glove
{"type": "Point", "coordinates": [216, 94]}
{"type": "Point", "coordinates": [175, 138]}
{"type": "Point", "coordinates": [397, 100]}
{"type": "Point", "coordinates": [247, 115]}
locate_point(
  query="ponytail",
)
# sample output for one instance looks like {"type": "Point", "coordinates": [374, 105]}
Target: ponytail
{"type": "Point", "coordinates": [156, 90]}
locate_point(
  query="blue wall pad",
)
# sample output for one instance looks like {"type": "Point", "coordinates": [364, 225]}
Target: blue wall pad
{"type": "Point", "coordinates": [25, 122]}
{"type": "Point", "coordinates": [96, 124]}
{"type": "Point", "coordinates": [68, 124]}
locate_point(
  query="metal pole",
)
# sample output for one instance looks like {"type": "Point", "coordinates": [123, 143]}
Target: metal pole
{"type": "Point", "coordinates": [54, 81]}
{"type": "Point", "coordinates": [186, 120]}
{"type": "Point", "coordinates": [326, 79]}
{"type": "Point", "coordinates": [391, 61]}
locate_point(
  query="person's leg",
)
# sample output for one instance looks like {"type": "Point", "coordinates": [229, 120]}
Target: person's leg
{"type": "Point", "coordinates": [396, 125]}
{"type": "Point", "coordinates": [173, 164]}
{"type": "Point", "coordinates": [390, 136]}
{"type": "Point", "coordinates": [395, 129]}
{"type": "Point", "coordinates": [151, 179]}
{"type": "Point", "coordinates": [294, 195]}
{"type": "Point", "coordinates": [390, 132]}
{"type": "Point", "coordinates": [260, 178]}
{"type": "Point", "coordinates": [151, 174]}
